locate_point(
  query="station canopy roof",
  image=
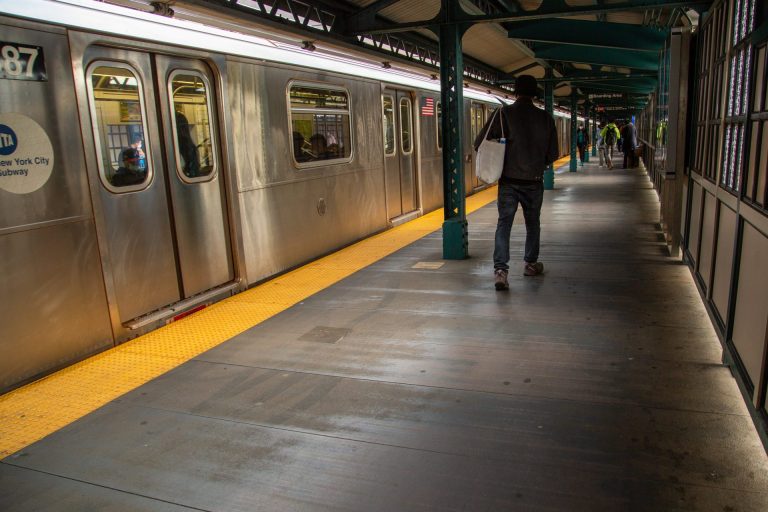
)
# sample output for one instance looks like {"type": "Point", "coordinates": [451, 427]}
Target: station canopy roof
{"type": "Point", "coordinates": [607, 50]}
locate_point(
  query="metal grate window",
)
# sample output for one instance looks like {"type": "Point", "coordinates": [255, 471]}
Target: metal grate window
{"type": "Point", "coordinates": [740, 67]}
{"type": "Point", "coordinates": [755, 189]}
{"type": "Point", "coordinates": [712, 51]}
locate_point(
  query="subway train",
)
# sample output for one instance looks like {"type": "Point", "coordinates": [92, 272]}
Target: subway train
{"type": "Point", "coordinates": [151, 166]}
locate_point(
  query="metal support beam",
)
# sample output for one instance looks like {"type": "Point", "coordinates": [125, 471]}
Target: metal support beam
{"type": "Point", "coordinates": [590, 33]}
{"type": "Point", "coordinates": [574, 126]}
{"type": "Point", "coordinates": [598, 77]}
{"type": "Point", "coordinates": [549, 173]}
{"type": "Point", "coordinates": [646, 61]}
{"type": "Point", "coordinates": [587, 106]}
{"type": "Point", "coordinates": [639, 86]}
{"type": "Point", "coordinates": [512, 74]}
{"type": "Point", "coordinates": [594, 132]}
{"type": "Point", "coordinates": [455, 234]}
{"type": "Point", "coordinates": [368, 13]}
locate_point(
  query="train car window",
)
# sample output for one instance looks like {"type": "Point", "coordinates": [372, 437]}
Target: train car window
{"type": "Point", "coordinates": [193, 134]}
{"type": "Point", "coordinates": [117, 110]}
{"type": "Point", "coordinates": [406, 126]}
{"type": "Point", "coordinates": [320, 121]}
{"type": "Point", "coordinates": [439, 120]}
{"type": "Point", "coordinates": [388, 106]}
{"type": "Point", "coordinates": [477, 121]}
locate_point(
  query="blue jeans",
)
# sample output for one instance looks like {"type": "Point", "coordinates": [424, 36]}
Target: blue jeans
{"type": "Point", "coordinates": [530, 198]}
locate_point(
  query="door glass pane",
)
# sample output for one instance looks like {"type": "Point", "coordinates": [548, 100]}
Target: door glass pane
{"type": "Point", "coordinates": [762, 170]}
{"type": "Point", "coordinates": [477, 121]}
{"type": "Point", "coordinates": [752, 164]}
{"type": "Point", "coordinates": [192, 125]}
{"type": "Point", "coordinates": [406, 143]}
{"type": "Point", "coordinates": [439, 110]}
{"type": "Point", "coordinates": [759, 80]}
{"type": "Point", "coordinates": [388, 104]}
{"type": "Point", "coordinates": [119, 125]}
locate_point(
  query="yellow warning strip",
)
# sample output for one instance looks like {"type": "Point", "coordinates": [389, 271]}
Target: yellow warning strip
{"type": "Point", "coordinates": [36, 410]}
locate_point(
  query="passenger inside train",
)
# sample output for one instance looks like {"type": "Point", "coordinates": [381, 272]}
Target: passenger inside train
{"type": "Point", "coordinates": [300, 152]}
{"type": "Point", "coordinates": [188, 152]}
{"type": "Point", "coordinates": [319, 146]}
{"type": "Point", "coordinates": [131, 171]}
{"type": "Point", "coordinates": [137, 144]}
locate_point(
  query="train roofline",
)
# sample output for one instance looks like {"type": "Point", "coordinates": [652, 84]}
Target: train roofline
{"type": "Point", "coordinates": [124, 22]}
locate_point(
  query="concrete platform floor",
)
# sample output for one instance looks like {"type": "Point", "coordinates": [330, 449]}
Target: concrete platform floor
{"type": "Point", "coordinates": [414, 386]}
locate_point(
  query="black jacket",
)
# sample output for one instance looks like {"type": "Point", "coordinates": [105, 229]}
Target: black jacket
{"type": "Point", "coordinates": [531, 140]}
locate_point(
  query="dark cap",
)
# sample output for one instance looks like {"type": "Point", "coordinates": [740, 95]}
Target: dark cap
{"type": "Point", "coordinates": [131, 153]}
{"type": "Point", "coordinates": [525, 85]}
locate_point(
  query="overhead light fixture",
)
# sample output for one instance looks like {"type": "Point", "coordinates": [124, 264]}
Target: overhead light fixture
{"type": "Point", "coordinates": [308, 45]}
{"type": "Point", "coordinates": [163, 8]}
{"type": "Point", "coordinates": [386, 65]}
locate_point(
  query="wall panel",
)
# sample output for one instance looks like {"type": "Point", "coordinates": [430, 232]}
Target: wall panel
{"type": "Point", "coordinates": [706, 254]}
{"type": "Point", "coordinates": [751, 314]}
{"type": "Point", "coordinates": [721, 281]}
{"type": "Point", "coordinates": [695, 225]}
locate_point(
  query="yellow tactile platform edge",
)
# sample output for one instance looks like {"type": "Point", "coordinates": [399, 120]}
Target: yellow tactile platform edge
{"type": "Point", "coordinates": [36, 410]}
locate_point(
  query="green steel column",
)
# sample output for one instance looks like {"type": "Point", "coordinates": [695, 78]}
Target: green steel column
{"type": "Point", "coordinates": [549, 173]}
{"type": "Point", "coordinates": [594, 133]}
{"type": "Point", "coordinates": [455, 237]}
{"type": "Point", "coordinates": [574, 126]}
{"type": "Point", "coordinates": [587, 106]}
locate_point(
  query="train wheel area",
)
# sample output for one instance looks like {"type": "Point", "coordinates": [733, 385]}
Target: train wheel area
{"type": "Point", "coordinates": [384, 378]}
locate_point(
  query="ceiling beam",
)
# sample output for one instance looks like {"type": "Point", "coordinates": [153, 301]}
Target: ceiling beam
{"type": "Point", "coordinates": [324, 21]}
{"type": "Point", "coordinates": [368, 14]}
{"type": "Point", "coordinates": [548, 9]}
{"type": "Point", "coordinates": [617, 88]}
{"type": "Point", "coordinates": [590, 33]}
{"type": "Point", "coordinates": [604, 77]}
{"type": "Point", "coordinates": [605, 56]}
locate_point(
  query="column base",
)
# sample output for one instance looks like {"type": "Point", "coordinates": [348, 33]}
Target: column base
{"type": "Point", "coordinates": [455, 239]}
{"type": "Point", "coordinates": [549, 179]}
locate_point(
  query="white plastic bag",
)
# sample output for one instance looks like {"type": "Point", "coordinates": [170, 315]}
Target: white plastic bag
{"type": "Point", "coordinates": [490, 156]}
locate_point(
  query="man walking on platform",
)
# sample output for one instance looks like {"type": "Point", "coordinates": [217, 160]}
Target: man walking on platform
{"type": "Point", "coordinates": [531, 145]}
{"type": "Point", "coordinates": [610, 134]}
{"type": "Point", "coordinates": [629, 143]}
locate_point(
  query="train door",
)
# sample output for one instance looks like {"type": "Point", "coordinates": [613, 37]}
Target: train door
{"type": "Point", "coordinates": [476, 123]}
{"type": "Point", "coordinates": [399, 149]}
{"type": "Point", "coordinates": [163, 215]}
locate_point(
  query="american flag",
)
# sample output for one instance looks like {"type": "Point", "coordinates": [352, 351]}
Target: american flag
{"type": "Point", "coordinates": [427, 106]}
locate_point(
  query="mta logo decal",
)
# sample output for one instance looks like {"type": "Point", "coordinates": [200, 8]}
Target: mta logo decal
{"type": "Point", "coordinates": [8, 140]}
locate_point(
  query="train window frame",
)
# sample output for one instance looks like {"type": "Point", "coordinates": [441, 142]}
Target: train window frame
{"type": "Point", "coordinates": [211, 132]}
{"type": "Point", "coordinates": [439, 124]}
{"type": "Point", "coordinates": [475, 128]}
{"type": "Point", "coordinates": [410, 125]}
{"type": "Point", "coordinates": [384, 125]}
{"type": "Point", "coordinates": [95, 126]}
{"type": "Point", "coordinates": [348, 112]}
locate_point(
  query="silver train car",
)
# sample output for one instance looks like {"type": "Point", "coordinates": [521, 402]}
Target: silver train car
{"type": "Point", "coordinates": [150, 166]}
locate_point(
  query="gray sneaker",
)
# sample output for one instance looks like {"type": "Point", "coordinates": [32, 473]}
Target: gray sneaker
{"type": "Point", "coordinates": [500, 279]}
{"type": "Point", "coordinates": [533, 269]}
